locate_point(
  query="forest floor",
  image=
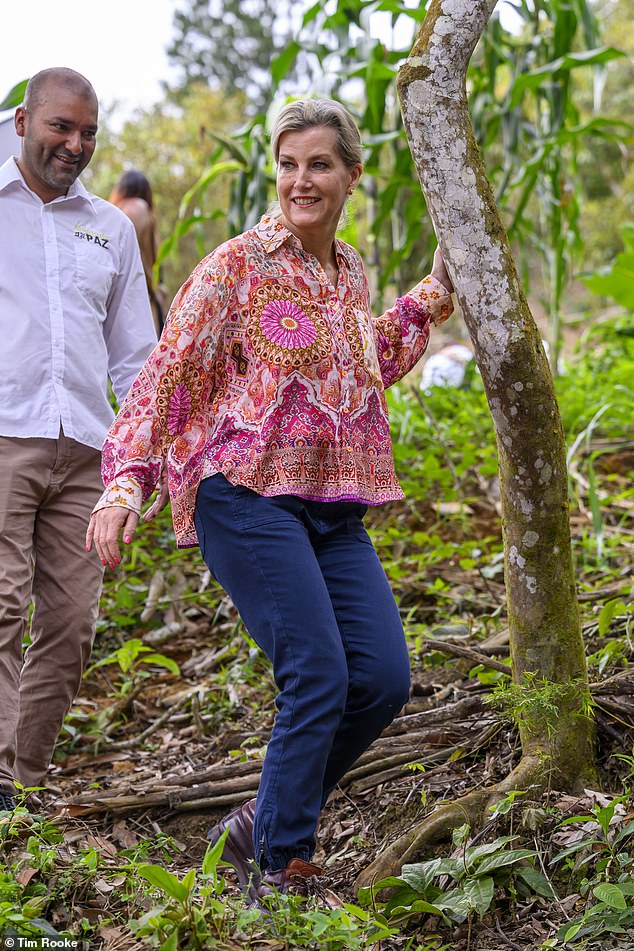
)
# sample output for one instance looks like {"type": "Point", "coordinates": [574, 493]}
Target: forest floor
{"type": "Point", "coordinates": [172, 721]}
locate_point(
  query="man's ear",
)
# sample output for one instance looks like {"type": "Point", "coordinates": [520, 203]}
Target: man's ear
{"type": "Point", "coordinates": [20, 121]}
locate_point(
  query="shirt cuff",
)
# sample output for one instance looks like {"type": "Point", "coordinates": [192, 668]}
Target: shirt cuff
{"type": "Point", "coordinates": [124, 492]}
{"type": "Point", "coordinates": [433, 295]}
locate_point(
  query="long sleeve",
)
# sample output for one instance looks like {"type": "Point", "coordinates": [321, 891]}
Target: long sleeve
{"type": "Point", "coordinates": [402, 332]}
{"type": "Point", "coordinates": [128, 327]}
{"type": "Point", "coordinates": [167, 408]}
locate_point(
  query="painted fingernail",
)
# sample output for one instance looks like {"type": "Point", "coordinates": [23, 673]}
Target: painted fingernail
{"type": "Point", "coordinates": [126, 539]}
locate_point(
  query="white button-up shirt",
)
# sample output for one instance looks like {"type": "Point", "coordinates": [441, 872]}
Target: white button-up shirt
{"type": "Point", "coordinates": [74, 310]}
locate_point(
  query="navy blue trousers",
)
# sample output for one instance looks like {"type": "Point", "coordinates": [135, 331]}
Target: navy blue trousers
{"type": "Point", "coordinates": [311, 591]}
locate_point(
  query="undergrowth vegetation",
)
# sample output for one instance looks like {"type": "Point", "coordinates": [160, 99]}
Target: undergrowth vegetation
{"type": "Point", "coordinates": [567, 862]}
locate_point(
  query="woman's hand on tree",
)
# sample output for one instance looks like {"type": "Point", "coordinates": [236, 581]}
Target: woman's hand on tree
{"type": "Point", "coordinates": [104, 529]}
{"type": "Point", "coordinates": [439, 271]}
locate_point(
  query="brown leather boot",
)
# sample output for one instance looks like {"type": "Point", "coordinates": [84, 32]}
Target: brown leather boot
{"type": "Point", "coordinates": [238, 849]}
{"type": "Point", "coordinates": [298, 878]}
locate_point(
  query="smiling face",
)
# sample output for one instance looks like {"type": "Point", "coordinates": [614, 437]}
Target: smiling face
{"type": "Point", "coordinates": [313, 182]}
{"type": "Point", "coordinates": [58, 138]}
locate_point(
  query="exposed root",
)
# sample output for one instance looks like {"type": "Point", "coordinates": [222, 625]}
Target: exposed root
{"type": "Point", "coordinates": [532, 772]}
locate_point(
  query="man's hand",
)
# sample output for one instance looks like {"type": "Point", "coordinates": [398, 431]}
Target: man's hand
{"type": "Point", "coordinates": [103, 531]}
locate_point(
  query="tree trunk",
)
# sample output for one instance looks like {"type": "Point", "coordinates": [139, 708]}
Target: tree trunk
{"type": "Point", "coordinates": [547, 651]}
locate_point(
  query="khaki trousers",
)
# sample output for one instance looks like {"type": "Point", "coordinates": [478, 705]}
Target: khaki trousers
{"type": "Point", "coordinates": [48, 488]}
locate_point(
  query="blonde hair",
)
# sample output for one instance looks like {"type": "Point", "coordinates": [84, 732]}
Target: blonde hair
{"type": "Point", "coordinates": [308, 113]}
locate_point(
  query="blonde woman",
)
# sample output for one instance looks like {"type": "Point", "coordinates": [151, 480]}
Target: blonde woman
{"type": "Point", "coordinates": [266, 396]}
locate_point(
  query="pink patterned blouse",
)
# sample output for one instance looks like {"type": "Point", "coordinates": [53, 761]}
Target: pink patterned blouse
{"type": "Point", "coordinates": [272, 376]}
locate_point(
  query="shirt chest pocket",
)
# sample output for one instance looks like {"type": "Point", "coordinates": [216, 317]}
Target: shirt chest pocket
{"type": "Point", "coordinates": [94, 273]}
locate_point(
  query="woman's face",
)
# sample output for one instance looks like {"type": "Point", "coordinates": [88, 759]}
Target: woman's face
{"type": "Point", "coordinates": [313, 182]}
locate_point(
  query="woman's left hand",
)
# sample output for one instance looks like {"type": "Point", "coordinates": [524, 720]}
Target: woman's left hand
{"type": "Point", "coordinates": [439, 271]}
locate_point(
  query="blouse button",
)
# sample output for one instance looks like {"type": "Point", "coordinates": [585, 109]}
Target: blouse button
{"type": "Point", "coordinates": [348, 448]}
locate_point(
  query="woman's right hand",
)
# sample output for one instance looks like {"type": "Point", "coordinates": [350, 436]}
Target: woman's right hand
{"type": "Point", "coordinates": [104, 529]}
{"type": "Point", "coordinates": [439, 271]}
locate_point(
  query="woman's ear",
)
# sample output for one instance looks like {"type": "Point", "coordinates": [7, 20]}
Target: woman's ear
{"type": "Point", "coordinates": [355, 175]}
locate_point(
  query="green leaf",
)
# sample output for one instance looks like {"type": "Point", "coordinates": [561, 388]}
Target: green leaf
{"type": "Point", "coordinates": [602, 126]}
{"type": "Point", "coordinates": [162, 661]}
{"type": "Point", "coordinates": [616, 282]}
{"type": "Point", "coordinates": [214, 854]}
{"type": "Point", "coordinates": [14, 97]}
{"type": "Point", "coordinates": [282, 63]}
{"type": "Point", "coordinates": [611, 895]}
{"type": "Point", "coordinates": [374, 72]}
{"type": "Point", "coordinates": [536, 881]}
{"type": "Point", "coordinates": [502, 806]}
{"type": "Point", "coordinates": [171, 944]}
{"type": "Point", "coordinates": [608, 612]}
{"type": "Point", "coordinates": [417, 907]}
{"type": "Point", "coordinates": [626, 831]}
{"type": "Point", "coordinates": [312, 12]}
{"type": "Point", "coordinates": [605, 814]}
{"type": "Point", "coordinates": [128, 653]}
{"type": "Point", "coordinates": [181, 229]}
{"type": "Point", "coordinates": [502, 859]}
{"type": "Point", "coordinates": [456, 903]}
{"type": "Point", "coordinates": [166, 882]}
{"type": "Point", "coordinates": [403, 897]}
{"type": "Point", "coordinates": [536, 77]}
{"type": "Point", "coordinates": [473, 853]}
{"type": "Point", "coordinates": [217, 169]}
{"type": "Point", "coordinates": [575, 847]}
{"type": "Point", "coordinates": [570, 934]}
{"type": "Point", "coordinates": [416, 875]}
{"type": "Point", "coordinates": [232, 147]}
{"type": "Point", "coordinates": [479, 892]}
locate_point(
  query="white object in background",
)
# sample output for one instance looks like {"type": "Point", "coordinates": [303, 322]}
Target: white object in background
{"type": "Point", "coordinates": [447, 367]}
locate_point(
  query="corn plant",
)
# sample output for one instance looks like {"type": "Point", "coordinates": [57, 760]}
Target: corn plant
{"type": "Point", "coordinates": [523, 103]}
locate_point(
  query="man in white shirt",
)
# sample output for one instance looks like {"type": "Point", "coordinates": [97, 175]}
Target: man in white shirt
{"type": "Point", "coordinates": [74, 311]}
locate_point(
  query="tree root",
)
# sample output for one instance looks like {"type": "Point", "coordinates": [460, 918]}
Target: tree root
{"type": "Point", "coordinates": [532, 772]}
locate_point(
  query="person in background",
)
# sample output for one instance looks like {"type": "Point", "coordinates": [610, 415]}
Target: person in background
{"type": "Point", "coordinates": [73, 311]}
{"type": "Point", "coordinates": [133, 195]}
{"type": "Point", "coordinates": [266, 396]}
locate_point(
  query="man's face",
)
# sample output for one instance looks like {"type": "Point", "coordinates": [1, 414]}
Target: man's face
{"type": "Point", "coordinates": [58, 139]}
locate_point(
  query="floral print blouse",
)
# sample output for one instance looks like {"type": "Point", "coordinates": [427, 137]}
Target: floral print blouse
{"type": "Point", "coordinates": [270, 375]}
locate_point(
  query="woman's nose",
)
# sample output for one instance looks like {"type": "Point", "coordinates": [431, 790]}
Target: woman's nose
{"type": "Point", "coordinates": [302, 176]}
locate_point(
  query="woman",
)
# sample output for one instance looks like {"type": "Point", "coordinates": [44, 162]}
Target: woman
{"type": "Point", "coordinates": [133, 195]}
{"type": "Point", "coordinates": [266, 393]}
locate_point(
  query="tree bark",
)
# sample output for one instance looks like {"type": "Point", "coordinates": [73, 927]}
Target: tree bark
{"type": "Point", "coordinates": [547, 651]}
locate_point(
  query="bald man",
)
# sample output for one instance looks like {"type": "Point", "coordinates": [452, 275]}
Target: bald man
{"type": "Point", "coordinates": [74, 312]}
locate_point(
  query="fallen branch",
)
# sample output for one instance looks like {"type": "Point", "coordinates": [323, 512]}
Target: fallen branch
{"type": "Point", "coordinates": [461, 651]}
{"type": "Point", "coordinates": [134, 741]}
